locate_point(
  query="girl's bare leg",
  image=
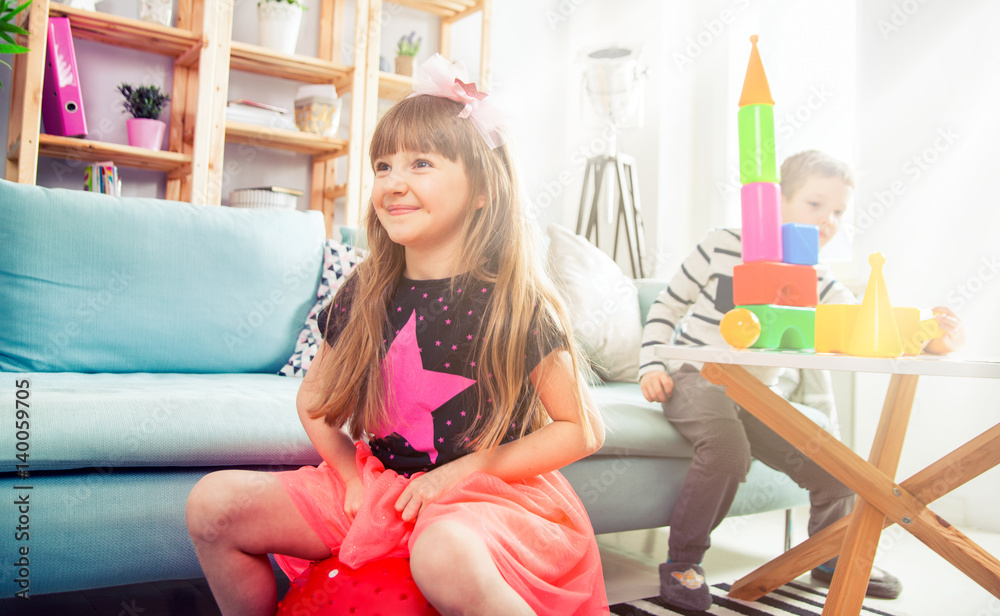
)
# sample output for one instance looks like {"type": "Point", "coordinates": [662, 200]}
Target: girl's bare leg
{"type": "Point", "coordinates": [456, 573]}
{"type": "Point", "coordinates": [235, 519]}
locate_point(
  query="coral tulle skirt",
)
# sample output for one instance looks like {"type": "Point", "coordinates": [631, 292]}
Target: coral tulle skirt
{"type": "Point", "coordinates": [536, 529]}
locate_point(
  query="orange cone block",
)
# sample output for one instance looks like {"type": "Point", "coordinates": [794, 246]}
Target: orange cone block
{"type": "Point", "coordinates": [756, 90]}
{"type": "Point", "coordinates": [875, 333]}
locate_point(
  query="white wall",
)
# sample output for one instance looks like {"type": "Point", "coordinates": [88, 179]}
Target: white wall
{"type": "Point", "coordinates": [928, 129]}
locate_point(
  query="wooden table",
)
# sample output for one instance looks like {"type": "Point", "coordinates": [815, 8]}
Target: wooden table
{"type": "Point", "coordinates": [881, 501]}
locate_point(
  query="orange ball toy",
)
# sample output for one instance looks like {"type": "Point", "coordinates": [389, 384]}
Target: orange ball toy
{"type": "Point", "coordinates": [740, 328]}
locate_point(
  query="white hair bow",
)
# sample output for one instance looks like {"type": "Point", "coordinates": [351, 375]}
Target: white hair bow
{"type": "Point", "coordinates": [439, 77]}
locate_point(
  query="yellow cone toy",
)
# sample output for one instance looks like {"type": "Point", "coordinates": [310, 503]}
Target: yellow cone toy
{"type": "Point", "coordinates": [875, 334]}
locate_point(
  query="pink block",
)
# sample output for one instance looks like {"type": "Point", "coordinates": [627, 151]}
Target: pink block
{"type": "Point", "coordinates": [761, 203]}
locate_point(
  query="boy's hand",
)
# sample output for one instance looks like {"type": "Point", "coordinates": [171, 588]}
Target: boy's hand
{"type": "Point", "coordinates": [656, 386]}
{"type": "Point", "coordinates": [954, 332]}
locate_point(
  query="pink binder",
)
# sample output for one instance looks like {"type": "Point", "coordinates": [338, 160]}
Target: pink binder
{"type": "Point", "coordinates": [62, 105]}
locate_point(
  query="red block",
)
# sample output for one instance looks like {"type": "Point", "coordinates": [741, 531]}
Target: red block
{"type": "Point", "coordinates": [770, 282]}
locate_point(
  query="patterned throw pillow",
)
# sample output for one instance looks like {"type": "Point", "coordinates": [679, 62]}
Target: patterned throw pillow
{"type": "Point", "coordinates": [338, 261]}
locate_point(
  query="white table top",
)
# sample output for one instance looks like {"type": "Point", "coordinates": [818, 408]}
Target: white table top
{"type": "Point", "coordinates": [925, 365]}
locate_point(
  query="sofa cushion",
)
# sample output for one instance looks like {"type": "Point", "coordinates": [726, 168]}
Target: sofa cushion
{"type": "Point", "coordinates": [130, 420]}
{"type": "Point", "coordinates": [649, 289]}
{"type": "Point", "coordinates": [637, 427]}
{"type": "Point", "coordinates": [603, 304]}
{"type": "Point", "coordinates": [94, 283]}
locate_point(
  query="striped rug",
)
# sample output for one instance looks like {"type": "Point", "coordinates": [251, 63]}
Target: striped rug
{"type": "Point", "coordinates": [791, 599]}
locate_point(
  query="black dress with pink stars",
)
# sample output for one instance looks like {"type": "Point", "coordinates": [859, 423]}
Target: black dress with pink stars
{"type": "Point", "coordinates": [535, 528]}
{"type": "Point", "coordinates": [433, 339]}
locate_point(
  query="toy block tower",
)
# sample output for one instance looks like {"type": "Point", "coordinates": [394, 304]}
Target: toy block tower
{"type": "Point", "coordinates": [774, 289]}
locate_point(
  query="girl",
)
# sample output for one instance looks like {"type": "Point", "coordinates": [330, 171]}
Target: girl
{"type": "Point", "coordinates": [445, 395]}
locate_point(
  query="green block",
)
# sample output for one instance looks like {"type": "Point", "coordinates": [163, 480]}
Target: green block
{"type": "Point", "coordinates": [758, 158]}
{"type": "Point", "coordinates": [784, 327]}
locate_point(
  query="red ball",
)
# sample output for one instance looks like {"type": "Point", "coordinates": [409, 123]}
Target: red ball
{"type": "Point", "coordinates": [379, 588]}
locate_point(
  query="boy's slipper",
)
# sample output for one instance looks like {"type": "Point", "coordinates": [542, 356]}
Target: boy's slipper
{"type": "Point", "coordinates": [683, 585]}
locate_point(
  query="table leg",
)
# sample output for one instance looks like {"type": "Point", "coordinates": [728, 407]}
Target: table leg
{"type": "Point", "coordinates": [871, 484]}
{"type": "Point", "coordinates": [850, 580]}
{"type": "Point", "coordinates": [975, 457]}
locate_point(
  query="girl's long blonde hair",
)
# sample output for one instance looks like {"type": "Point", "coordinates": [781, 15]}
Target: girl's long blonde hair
{"type": "Point", "coordinates": [497, 248]}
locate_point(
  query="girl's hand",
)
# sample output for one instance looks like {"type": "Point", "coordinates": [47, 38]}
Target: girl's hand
{"type": "Point", "coordinates": [954, 332]}
{"type": "Point", "coordinates": [428, 487]}
{"type": "Point", "coordinates": [656, 386]}
{"type": "Point", "coordinates": [353, 497]}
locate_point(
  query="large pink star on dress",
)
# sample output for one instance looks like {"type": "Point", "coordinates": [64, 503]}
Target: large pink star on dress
{"type": "Point", "coordinates": [415, 393]}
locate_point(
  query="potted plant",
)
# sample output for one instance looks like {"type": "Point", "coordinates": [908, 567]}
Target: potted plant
{"type": "Point", "coordinates": [8, 28]}
{"type": "Point", "coordinates": [145, 103]}
{"type": "Point", "coordinates": [406, 49]}
{"type": "Point", "coordinates": [278, 24]}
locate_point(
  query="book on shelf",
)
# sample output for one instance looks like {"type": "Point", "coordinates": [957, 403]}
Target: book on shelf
{"type": "Point", "coordinates": [259, 114]}
{"type": "Point", "coordinates": [279, 189]}
{"type": "Point", "coordinates": [62, 103]}
{"type": "Point", "coordinates": [102, 178]}
{"type": "Point", "coordinates": [257, 105]}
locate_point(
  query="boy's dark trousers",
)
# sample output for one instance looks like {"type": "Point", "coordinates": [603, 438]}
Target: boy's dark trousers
{"type": "Point", "coordinates": [725, 437]}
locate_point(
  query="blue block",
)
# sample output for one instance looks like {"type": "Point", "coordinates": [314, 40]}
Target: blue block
{"type": "Point", "coordinates": [800, 243]}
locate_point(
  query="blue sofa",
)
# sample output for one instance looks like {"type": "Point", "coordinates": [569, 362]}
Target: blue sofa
{"type": "Point", "coordinates": [139, 344]}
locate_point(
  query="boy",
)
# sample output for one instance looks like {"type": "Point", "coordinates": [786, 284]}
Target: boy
{"type": "Point", "coordinates": [816, 189]}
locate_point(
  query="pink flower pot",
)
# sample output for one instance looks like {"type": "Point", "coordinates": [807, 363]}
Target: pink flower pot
{"type": "Point", "coordinates": [145, 133]}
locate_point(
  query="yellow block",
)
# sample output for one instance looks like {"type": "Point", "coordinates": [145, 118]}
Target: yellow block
{"type": "Point", "coordinates": [912, 331]}
{"type": "Point", "coordinates": [834, 324]}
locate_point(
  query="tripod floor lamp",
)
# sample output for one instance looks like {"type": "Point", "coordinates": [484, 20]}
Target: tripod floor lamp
{"type": "Point", "coordinates": [612, 82]}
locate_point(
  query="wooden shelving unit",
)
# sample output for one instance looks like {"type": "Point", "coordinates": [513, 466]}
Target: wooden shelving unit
{"type": "Point", "coordinates": [391, 85]}
{"type": "Point", "coordinates": [128, 33]}
{"type": "Point", "coordinates": [72, 148]}
{"type": "Point", "coordinates": [199, 50]}
{"type": "Point", "coordinates": [263, 61]}
{"type": "Point", "coordinates": [280, 139]}
{"type": "Point", "coordinates": [204, 54]}
{"type": "Point", "coordinates": [322, 69]}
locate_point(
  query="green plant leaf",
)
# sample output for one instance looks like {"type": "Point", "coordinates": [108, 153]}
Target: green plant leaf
{"type": "Point", "coordinates": [4, 48]}
{"type": "Point", "coordinates": [5, 27]}
{"type": "Point", "coordinates": [8, 16]}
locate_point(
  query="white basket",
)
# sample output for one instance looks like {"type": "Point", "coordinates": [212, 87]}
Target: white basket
{"type": "Point", "coordinates": [261, 199]}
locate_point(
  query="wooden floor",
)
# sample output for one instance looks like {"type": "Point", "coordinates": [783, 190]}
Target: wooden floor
{"type": "Point", "coordinates": [173, 598]}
